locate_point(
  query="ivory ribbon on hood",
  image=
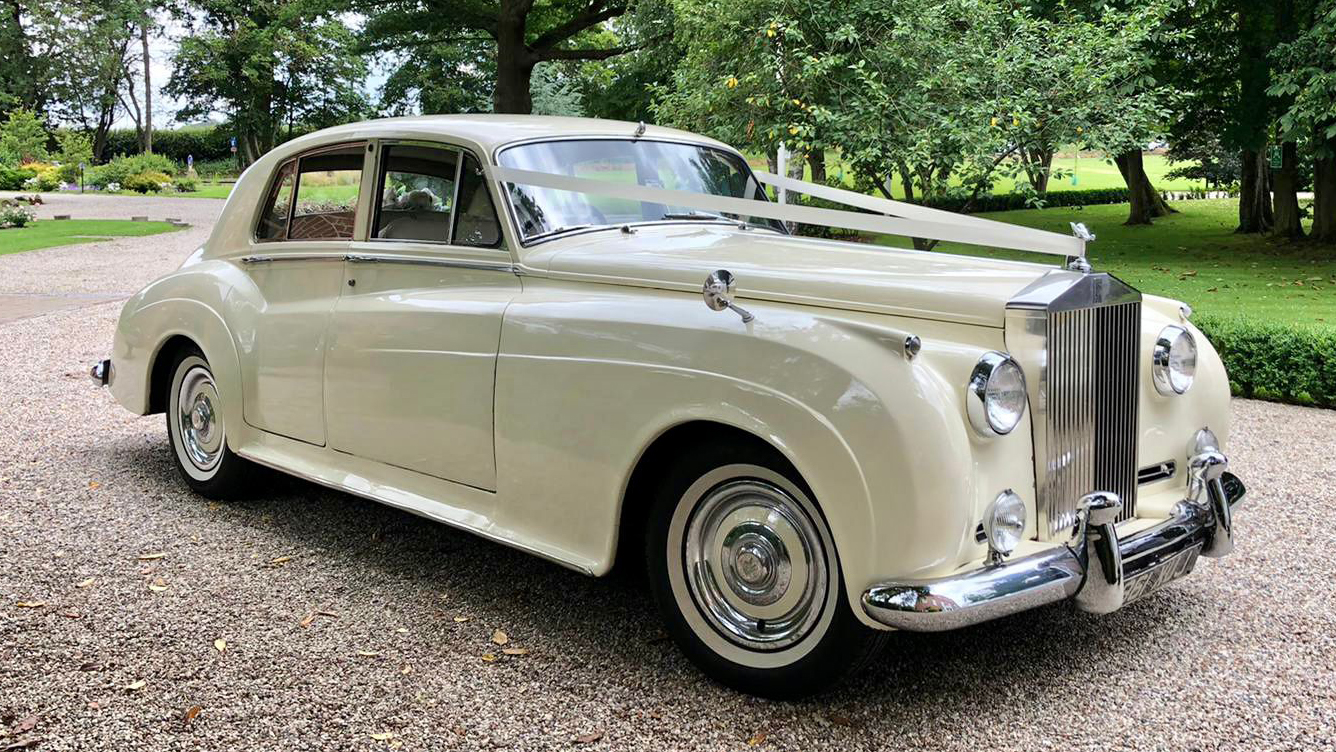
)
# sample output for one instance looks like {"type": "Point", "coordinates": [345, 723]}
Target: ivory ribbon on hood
{"type": "Point", "coordinates": [892, 217]}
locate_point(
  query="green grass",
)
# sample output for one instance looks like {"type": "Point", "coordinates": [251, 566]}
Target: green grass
{"type": "Point", "coordinates": [1196, 257]}
{"type": "Point", "coordinates": [48, 233]}
{"type": "Point", "coordinates": [1090, 172]}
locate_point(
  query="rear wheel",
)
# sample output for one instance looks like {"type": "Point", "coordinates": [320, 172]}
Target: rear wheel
{"type": "Point", "coordinates": [198, 432]}
{"type": "Point", "coordinates": [745, 573]}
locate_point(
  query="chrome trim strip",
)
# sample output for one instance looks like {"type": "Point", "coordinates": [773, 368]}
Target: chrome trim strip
{"type": "Point", "coordinates": [267, 259]}
{"type": "Point", "coordinates": [486, 266]}
{"type": "Point", "coordinates": [986, 592]}
{"type": "Point", "coordinates": [1157, 472]}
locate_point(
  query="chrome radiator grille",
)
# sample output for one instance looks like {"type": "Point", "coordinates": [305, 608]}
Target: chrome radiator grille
{"type": "Point", "coordinates": [1077, 336]}
{"type": "Point", "coordinates": [1091, 426]}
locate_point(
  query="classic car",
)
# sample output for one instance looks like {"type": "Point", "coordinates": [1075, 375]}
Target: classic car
{"type": "Point", "coordinates": [602, 343]}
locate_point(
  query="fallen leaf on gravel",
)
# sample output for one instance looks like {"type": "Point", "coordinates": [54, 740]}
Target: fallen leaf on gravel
{"type": "Point", "coordinates": [94, 705]}
{"type": "Point", "coordinates": [190, 715]}
{"type": "Point", "coordinates": [402, 630]}
{"type": "Point", "coordinates": [515, 651]}
{"type": "Point", "coordinates": [220, 644]}
{"type": "Point", "coordinates": [280, 560]}
{"type": "Point", "coordinates": [31, 604]}
{"type": "Point", "coordinates": [368, 653]}
{"type": "Point", "coordinates": [151, 557]}
{"type": "Point", "coordinates": [71, 614]}
{"type": "Point", "coordinates": [86, 583]}
{"type": "Point", "coordinates": [757, 739]}
{"type": "Point", "coordinates": [135, 686]}
{"type": "Point", "coordinates": [500, 637]}
{"type": "Point", "coordinates": [461, 619]}
{"type": "Point", "coordinates": [489, 657]}
{"type": "Point", "coordinates": [157, 585]}
{"type": "Point", "coordinates": [384, 736]}
{"type": "Point", "coordinates": [589, 738]}
{"type": "Point", "coordinates": [93, 485]}
{"type": "Point", "coordinates": [307, 620]}
{"type": "Point", "coordinates": [26, 725]}
{"type": "Point", "coordinates": [330, 614]}
{"type": "Point", "coordinates": [407, 670]}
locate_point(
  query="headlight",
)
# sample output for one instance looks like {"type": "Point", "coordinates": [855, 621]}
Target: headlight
{"type": "Point", "coordinates": [1174, 360]}
{"type": "Point", "coordinates": [996, 394]}
{"type": "Point", "coordinates": [1004, 522]}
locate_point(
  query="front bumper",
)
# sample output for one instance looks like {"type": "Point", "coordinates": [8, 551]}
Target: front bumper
{"type": "Point", "coordinates": [1095, 568]}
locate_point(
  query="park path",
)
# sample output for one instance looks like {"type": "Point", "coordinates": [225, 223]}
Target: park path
{"type": "Point", "coordinates": [33, 283]}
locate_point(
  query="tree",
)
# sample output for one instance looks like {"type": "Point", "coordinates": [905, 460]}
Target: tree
{"type": "Point", "coordinates": [86, 89]}
{"type": "Point", "coordinates": [1306, 77]}
{"type": "Point", "coordinates": [518, 34]}
{"type": "Point", "coordinates": [267, 66]}
{"type": "Point", "coordinates": [23, 138]}
{"type": "Point", "coordinates": [928, 90]}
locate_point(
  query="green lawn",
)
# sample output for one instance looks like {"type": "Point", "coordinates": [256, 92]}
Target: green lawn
{"type": "Point", "coordinates": [47, 233]}
{"type": "Point", "coordinates": [1195, 256]}
{"type": "Point", "coordinates": [1090, 172]}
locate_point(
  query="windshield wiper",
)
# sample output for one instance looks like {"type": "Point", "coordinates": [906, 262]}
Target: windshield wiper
{"type": "Point", "coordinates": [558, 231]}
{"type": "Point", "coordinates": [695, 216]}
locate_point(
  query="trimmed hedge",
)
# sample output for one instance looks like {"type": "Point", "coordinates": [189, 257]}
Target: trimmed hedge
{"type": "Point", "coordinates": [202, 143]}
{"type": "Point", "coordinates": [991, 202]}
{"type": "Point", "coordinates": [1274, 361]}
{"type": "Point", "coordinates": [14, 178]}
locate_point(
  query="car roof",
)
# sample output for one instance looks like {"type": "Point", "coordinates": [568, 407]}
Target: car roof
{"type": "Point", "coordinates": [488, 132]}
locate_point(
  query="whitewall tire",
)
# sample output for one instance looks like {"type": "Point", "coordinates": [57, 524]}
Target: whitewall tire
{"type": "Point", "coordinates": [745, 572]}
{"type": "Point", "coordinates": [197, 430]}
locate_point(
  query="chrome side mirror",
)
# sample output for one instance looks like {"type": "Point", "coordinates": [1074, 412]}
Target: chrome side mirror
{"type": "Point", "coordinates": [718, 293]}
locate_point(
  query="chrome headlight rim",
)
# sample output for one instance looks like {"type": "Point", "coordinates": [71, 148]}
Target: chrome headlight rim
{"type": "Point", "coordinates": [988, 368]}
{"type": "Point", "coordinates": [1162, 372]}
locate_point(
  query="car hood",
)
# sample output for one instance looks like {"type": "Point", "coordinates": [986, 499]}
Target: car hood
{"type": "Point", "coordinates": [770, 266]}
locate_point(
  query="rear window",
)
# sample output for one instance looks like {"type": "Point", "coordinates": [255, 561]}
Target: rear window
{"type": "Point", "coordinates": [314, 197]}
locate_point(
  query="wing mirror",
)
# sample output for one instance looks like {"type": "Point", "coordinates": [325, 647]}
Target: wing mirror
{"type": "Point", "coordinates": [718, 293]}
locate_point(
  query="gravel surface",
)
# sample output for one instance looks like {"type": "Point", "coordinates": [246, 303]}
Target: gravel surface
{"type": "Point", "coordinates": [348, 625]}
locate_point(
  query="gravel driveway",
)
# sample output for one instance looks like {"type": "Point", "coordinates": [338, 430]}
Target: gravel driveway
{"type": "Point", "coordinates": [308, 619]}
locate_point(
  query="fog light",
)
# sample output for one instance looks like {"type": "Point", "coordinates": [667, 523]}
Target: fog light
{"type": "Point", "coordinates": [1004, 524]}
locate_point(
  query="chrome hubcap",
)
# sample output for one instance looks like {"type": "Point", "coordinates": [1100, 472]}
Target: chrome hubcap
{"type": "Point", "coordinates": [199, 423]}
{"type": "Point", "coordinates": [755, 564]}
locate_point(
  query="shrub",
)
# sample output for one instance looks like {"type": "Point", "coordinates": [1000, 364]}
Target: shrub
{"type": "Point", "coordinates": [212, 169]}
{"type": "Point", "coordinates": [185, 184]}
{"type": "Point", "coordinates": [1275, 361]}
{"type": "Point", "coordinates": [148, 181]}
{"type": "Point", "coordinates": [12, 215]}
{"type": "Point", "coordinates": [14, 178]}
{"type": "Point", "coordinates": [23, 137]}
{"type": "Point", "coordinates": [75, 148]}
{"type": "Point", "coordinates": [121, 169]}
{"type": "Point", "coordinates": [45, 177]}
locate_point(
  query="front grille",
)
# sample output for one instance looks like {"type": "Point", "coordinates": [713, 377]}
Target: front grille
{"type": "Point", "coordinates": [1089, 420]}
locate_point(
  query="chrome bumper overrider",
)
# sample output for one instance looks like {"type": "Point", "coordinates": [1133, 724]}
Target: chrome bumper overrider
{"type": "Point", "coordinates": [1094, 568]}
{"type": "Point", "coordinates": [101, 372]}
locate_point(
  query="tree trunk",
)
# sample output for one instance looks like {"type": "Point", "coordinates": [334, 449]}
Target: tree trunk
{"type": "Point", "coordinates": [1147, 203]}
{"type": "Point", "coordinates": [1324, 197]}
{"type": "Point", "coordinates": [1254, 197]}
{"type": "Point", "coordinates": [1286, 198]}
{"type": "Point", "coordinates": [514, 62]}
{"type": "Point", "coordinates": [148, 92]}
{"type": "Point", "coordinates": [1038, 166]}
{"type": "Point", "coordinates": [906, 181]}
{"type": "Point", "coordinates": [817, 160]}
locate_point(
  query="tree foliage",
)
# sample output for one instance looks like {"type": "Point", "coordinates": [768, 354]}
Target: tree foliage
{"type": "Point", "coordinates": [23, 138]}
{"type": "Point", "coordinates": [267, 66]}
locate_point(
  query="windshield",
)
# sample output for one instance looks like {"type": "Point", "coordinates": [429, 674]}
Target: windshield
{"type": "Point", "coordinates": [682, 167]}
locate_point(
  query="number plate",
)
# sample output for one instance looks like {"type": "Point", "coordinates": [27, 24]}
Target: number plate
{"type": "Point", "coordinates": [1168, 571]}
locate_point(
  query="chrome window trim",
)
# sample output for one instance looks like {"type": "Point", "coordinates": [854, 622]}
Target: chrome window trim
{"type": "Point", "coordinates": [514, 220]}
{"type": "Point", "coordinates": [379, 174]}
{"type": "Point", "coordinates": [267, 258]}
{"type": "Point", "coordinates": [296, 160]}
{"type": "Point", "coordinates": [382, 258]}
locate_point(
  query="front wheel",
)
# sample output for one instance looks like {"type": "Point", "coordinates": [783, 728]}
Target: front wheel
{"type": "Point", "coordinates": [198, 433]}
{"type": "Point", "coordinates": [745, 573]}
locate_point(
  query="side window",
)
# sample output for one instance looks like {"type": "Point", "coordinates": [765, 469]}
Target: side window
{"type": "Point", "coordinates": [475, 222]}
{"type": "Point", "coordinates": [327, 187]}
{"type": "Point", "coordinates": [277, 206]}
{"type": "Point", "coordinates": [417, 192]}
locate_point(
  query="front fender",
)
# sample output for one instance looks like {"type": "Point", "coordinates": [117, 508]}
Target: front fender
{"type": "Point", "coordinates": [589, 376]}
